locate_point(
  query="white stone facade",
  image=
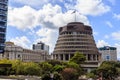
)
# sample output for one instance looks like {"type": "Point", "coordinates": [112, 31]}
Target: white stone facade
{"type": "Point", "coordinates": [108, 53]}
{"type": "Point", "coordinates": [13, 52]}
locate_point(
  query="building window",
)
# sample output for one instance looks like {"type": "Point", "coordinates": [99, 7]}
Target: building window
{"type": "Point", "coordinates": [66, 57]}
{"type": "Point", "coordinates": [61, 55]}
{"type": "Point", "coordinates": [107, 57]}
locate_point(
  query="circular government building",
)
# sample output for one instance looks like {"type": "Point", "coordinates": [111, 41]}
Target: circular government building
{"type": "Point", "coordinates": [73, 37]}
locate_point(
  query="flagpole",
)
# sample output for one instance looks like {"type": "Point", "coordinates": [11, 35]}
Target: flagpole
{"type": "Point", "coordinates": [74, 15]}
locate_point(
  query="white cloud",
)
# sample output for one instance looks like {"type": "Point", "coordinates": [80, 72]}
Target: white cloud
{"type": "Point", "coordinates": [49, 37]}
{"type": "Point", "coordinates": [102, 43]}
{"type": "Point", "coordinates": [22, 18]}
{"type": "Point", "coordinates": [109, 24]}
{"type": "Point", "coordinates": [42, 32]}
{"type": "Point", "coordinates": [52, 17]}
{"type": "Point", "coordinates": [116, 16]}
{"type": "Point", "coordinates": [21, 41]}
{"type": "Point", "coordinates": [116, 35]}
{"type": "Point", "coordinates": [91, 7]}
{"type": "Point", "coordinates": [49, 18]}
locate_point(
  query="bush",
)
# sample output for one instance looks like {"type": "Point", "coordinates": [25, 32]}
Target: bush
{"type": "Point", "coordinates": [57, 68]}
{"type": "Point", "coordinates": [91, 75]}
{"type": "Point", "coordinates": [57, 76]}
{"type": "Point", "coordinates": [70, 73]}
{"type": "Point", "coordinates": [46, 76]}
{"type": "Point", "coordinates": [45, 67]}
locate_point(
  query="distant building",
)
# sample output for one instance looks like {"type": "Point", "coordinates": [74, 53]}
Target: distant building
{"type": "Point", "coordinates": [13, 52]}
{"type": "Point", "coordinates": [108, 53]}
{"type": "Point", "coordinates": [41, 46]}
{"type": "Point", "coordinates": [3, 23]}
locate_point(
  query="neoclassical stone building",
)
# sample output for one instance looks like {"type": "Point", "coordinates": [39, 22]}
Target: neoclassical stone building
{"type": "Point", "coordinates": [76, 36]}
{"type": "Point", "coordinates": [13, 52]}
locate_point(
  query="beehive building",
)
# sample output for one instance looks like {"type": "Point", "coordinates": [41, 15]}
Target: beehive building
{"type": "Point", "coordinates": [76, 36]}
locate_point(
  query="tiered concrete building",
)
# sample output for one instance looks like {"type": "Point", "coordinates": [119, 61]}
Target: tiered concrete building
{"type": "Point", "coordinates": [76, 36]}
{"type": "Point", "coordinates": [3, 23]}
{"type": "Point", "coordinates": [108, 53]}
{"type": "Point", "coordinates": [13, 52]}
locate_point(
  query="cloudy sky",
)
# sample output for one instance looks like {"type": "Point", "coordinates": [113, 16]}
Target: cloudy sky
{"type": "Point", "coordinates": [31, 21]}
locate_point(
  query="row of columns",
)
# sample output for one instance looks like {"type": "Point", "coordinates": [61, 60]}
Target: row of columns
{"type": "Point", "coordinates": [66, 57]}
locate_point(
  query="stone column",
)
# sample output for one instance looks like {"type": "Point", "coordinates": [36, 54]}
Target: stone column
{"type": "Point", "coordinates": [55, 56]}
{"type": "Point", "coordinates": [59, 57]}
{"type": "Point", "coordinates": [86, 57]}
{"type": "Point", "coordinates": [69, 56]}
{"type": "Point", "coordinates": [96, 57]}
{"type": "Point", "coordinates": [91, 56]}
{"type": "Point", "coordinates": [63, 57]}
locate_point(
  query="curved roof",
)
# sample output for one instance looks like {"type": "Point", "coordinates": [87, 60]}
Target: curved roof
{"type": "Point", "coordinates": [75, 27]}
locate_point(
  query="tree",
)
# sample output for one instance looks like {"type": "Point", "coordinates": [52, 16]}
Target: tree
{"type": "Point", "coordinates": [75, 66]}
{"type": "Point", "coordinates": [46, 76]}
{"type": "Point", "coordinates": [32, 69]}
{"type": "Point", "coordinates": [91, 75]}
{"type": "Point", "coordinates": [108, 70]}
{"type": "Point", "coordinates": [72, 65]}
{"type": "Point", "coordinates": [54, 62]}
{"type": "Point", "coordinates": [78, 58]}
{"type": "Point", "coordinates": [5, 69]}
{"type": "Point", "coordinates": [57, 76]}
{"type": "Point", "coordinates": [58, 68]}
{"type": "Point", "coordinates": [45, 67]}
{"type": "Point", "coordinates": [70, 73]}
{"type": "Point", "coordinates": [17, 67]}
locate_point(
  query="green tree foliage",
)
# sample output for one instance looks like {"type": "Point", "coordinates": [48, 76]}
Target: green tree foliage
{"type": "Point", "coordinates": [75, 66]}
{"type": "Point", "coordinates": [70, 70]}
{"type": "Point", "coordinates": [108, 70]}
{"type": "Point", "coordinates": [46, 76]}
{"type": "Point", "coordinates": [72, 65]}
{"type": "Point", "coordinates": [54, 62]}
{"type": "Point", "coordinates": [57, 68]}
{"type": "Point", "coordinates": [45, 67]}
{"type": "Point", "coordinates": [91, 75]}
{"type": "Point", "coordinates": [32, 69]}
{"type": "Point", "coordinates": [78, 58]}
{"type": "Point", "coordinates": [57, 76]}
{"type": "Point", "coordinates": [5, 70]}
{"type": "Point", "coordinates": [19, 68]}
